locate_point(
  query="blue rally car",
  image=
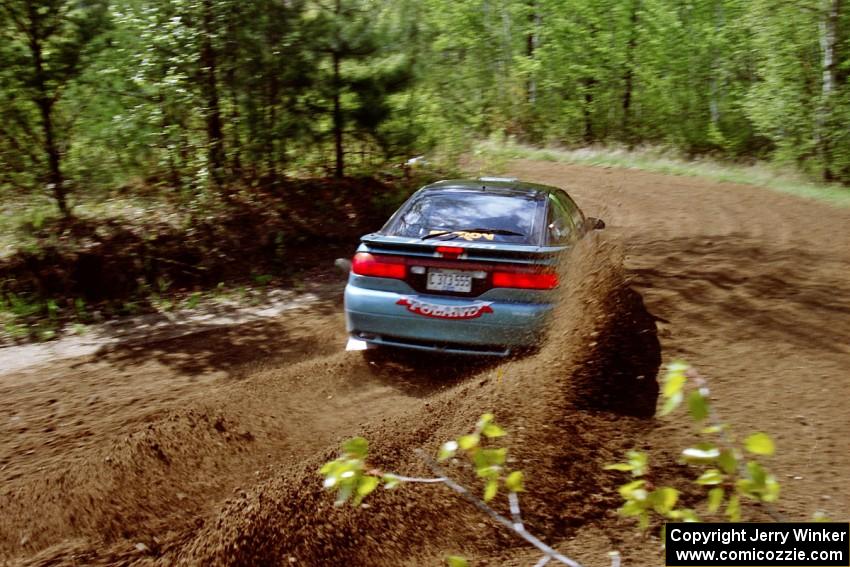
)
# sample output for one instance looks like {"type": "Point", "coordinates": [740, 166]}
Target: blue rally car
{"type": "Point", "coordinates": [464, 266]}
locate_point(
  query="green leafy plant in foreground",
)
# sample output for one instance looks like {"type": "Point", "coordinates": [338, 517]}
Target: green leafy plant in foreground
{"type": "Point", "coordinates": [726, 469]}
{"type": "Point", "coordinates": [348, 474]}
{"type": "Point", "coordinates": [353, 480]}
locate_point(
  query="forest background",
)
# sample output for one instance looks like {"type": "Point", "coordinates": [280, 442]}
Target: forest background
{"type": "Point", "coordinates": [145, 128]}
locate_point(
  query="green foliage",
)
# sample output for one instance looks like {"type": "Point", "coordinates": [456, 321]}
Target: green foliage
{"type": "Point", "coordinates": [488, 463]}
{"type": "Point", "coordinates": [263, 279]}
{"type": "Point", "coordinates": [514, 481]}
{"type": "Point", "coordinates": [29, 317]}
{"type": "Point", "coordinates": [759, 444]}
{"type": "Point", "coordinates": [346, 475]}
{"type": "Point", "coordinates": [193, 300]}
{"type": "Point", "coordinates": [636, 464]}
{"type": "Point", "coordinates": [456, 561]}
{"type": "Point", "coordinates": [724, 473]}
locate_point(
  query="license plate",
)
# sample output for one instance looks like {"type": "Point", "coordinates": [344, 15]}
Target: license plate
{"type": "Point", "coordinates": [449, 280]}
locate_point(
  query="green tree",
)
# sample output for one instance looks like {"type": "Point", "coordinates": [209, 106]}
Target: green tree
{"type": "Point", "coordinates": [45, 49]}
{"type": "Point", "coordinates": [801, 97]}
{"type": "Point", "coordinates": [358, 73]}
{"type": "Point", "coordinates": [193, 94]}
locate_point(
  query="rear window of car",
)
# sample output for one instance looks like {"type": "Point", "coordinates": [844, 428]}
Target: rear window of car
{"type": "Point", "coordinates": [470, 216]}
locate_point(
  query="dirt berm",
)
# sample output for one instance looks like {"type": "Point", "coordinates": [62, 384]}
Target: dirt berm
{"type": "Point", "coordinates": [231, 477]}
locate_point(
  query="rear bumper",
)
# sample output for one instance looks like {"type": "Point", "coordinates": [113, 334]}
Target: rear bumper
{"type": "Point", "coordinates": [446, 324]}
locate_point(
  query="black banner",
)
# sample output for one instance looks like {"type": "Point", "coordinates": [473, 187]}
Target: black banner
{"type": "Point", "coordinates": [739, 544]}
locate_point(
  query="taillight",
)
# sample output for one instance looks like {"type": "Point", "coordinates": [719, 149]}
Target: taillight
{"type": "Point", "coordinates": [526, 280]}
{"type": "Point", "coordinates": [449, 251]}
{"type": "Point", "coordinates": [379, 266]}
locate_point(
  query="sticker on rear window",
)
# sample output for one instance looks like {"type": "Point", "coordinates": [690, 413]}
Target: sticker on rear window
{"type": "Point", "coordinates": [437, 311]}
{"type": "Point", "coordinates": [468, 236]}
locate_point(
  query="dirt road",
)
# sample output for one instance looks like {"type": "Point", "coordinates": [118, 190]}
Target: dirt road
{"type": "Point", "coordinates": [203, 449]}
{"type": "Point", "coordinates": [752, 287]}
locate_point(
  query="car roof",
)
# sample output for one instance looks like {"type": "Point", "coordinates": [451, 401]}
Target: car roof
{"type": "Point", "coordinates": [493, 185]}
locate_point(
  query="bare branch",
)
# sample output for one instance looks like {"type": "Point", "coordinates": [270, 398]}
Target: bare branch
{"type": "Point", "coordinates": [521, 532]}
{"type": "Point", "coordinates": [418, 479]}
{"type": "Point", "coordinates": [513, 501]}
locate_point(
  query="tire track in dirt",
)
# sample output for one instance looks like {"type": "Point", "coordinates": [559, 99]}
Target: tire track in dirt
{"type": "Point", "coordinates": [52, 412]}
{"type": "Point", "coordinates": [167, 473]}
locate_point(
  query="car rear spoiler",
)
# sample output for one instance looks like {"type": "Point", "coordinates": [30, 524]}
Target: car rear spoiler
{"type": "Point", "coordinates": [480, 251]}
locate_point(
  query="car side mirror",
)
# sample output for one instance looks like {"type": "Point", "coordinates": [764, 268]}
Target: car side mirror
{"type": "Point", "coordinates": [595, 224]}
